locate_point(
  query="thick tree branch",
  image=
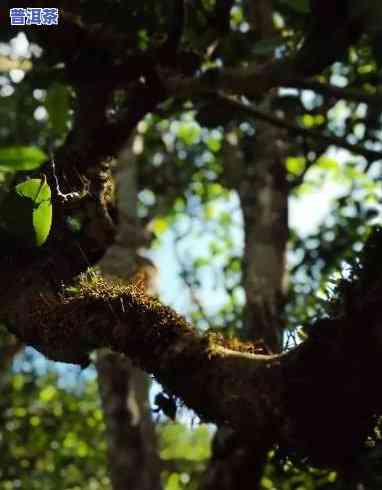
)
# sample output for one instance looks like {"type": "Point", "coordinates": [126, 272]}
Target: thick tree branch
{"type": "Point", "coordinates": [253, 80]}
{"type": "Point", "coordinates": [104, 314]}
{"type": "Point", "coordinates": [221, 16]}
{"type": "Point", "coordinates": [332, 32]}
{"type": "Point", "coordinates": [224, 382]}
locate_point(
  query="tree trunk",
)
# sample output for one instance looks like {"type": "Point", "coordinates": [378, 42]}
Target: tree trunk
{"type": "Point", "coordinates": [264, 197]}
{"type": "Point", "coordinates": [133, 458]}
{"type": "Point", "coordinates": [264, 201]}
{"type": "Point", "coordinates": [263, 194]}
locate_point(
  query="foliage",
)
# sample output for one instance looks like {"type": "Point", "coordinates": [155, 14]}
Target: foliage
{"type": "Point", "coordinates": [184, 453]}
{"type": "Point", "coordinates": [26, 212]}
{"type": "Point", "coordinates": [56, 441]}
{"type": "Point", "coordinates": [21, 158]}
{"type": "Point", "coordinates": [52, 437]}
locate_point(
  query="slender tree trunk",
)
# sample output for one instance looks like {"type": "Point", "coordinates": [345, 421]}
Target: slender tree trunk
{"type": "Point", "coordinates": [133, 459]}
{"type": "Point", "coordinates": [264, 200]}
{"type": "Point", "coordinates": [262, 188]}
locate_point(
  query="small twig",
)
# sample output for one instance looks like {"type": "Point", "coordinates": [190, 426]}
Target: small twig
{"type": "Point", "coordinates": [370, 155]}
{"type": "Point", "coordinates": [336, 92]}
{"type": "Point", "coordinates": [189, 285]}
{"type": "Point", "coordinates": [61, 197]}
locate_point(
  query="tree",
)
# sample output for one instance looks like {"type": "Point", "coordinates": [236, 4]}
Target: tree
{"type": "Point", "coordinates": [126, 71]}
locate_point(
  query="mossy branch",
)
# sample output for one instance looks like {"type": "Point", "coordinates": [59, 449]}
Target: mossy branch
{"type": "Point", "coordinates": [322, 390]}
{"type": "Point", "coordinates": [208, 375]}
{"type": "Point", "coordinates": [326, 389]}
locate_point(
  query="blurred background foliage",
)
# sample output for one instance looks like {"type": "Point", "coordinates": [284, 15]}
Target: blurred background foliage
{"type": "Point", "coordinates": [51, 426]}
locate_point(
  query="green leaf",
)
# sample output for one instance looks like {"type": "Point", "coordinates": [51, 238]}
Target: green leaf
{"type": "Point", "coordinates": [160, 225]}
{"type": "Point", "coordinates": [295, 165]}
{"type": "Point", "coordinates": [16, 158]}
{"type": "Point", "coordinates": [177, 441]}
{"type": "Point", "coordinates": [237, 15]}
{"type": "Point", "coordinates": [189, 133]}
{"type": "Point", "coordinates": [300, 6]}
{"type": "Point", "coordinates": [214, 144]}
{"type": "Point", "coordinates": [57, 104]}
{"type": "Point", "coordinates": [26, 212]}
{"type": "Point", "coordinates": [173, 482]}
{"type": "Point", "coordinates": [143, 39]}
{"type": "Point", "coordinates": [38, 191]}
{"type": "Point", "coordinates": [328, 163]}
{"type": "Point", "coordinates": [266, 46]}
{"type": "Point", "coordinates": [201, 262]}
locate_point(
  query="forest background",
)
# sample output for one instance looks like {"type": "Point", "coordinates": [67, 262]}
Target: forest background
{"type": "Point", "coordinates": [225, 156]}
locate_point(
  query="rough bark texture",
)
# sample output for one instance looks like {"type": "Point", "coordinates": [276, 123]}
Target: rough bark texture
{"type": "Point", "coordinates": [259, 177]}
{"type": "Point", "coordinates": [264, 197]}
{"type": "Point", "coordinates": [263, 193]}
{"type": "Point", "coordinates": [262, 188]}
{"type": "Point", "coordinates": [133, 458]}
{"type": "Point", "coordinates": [257, 396]}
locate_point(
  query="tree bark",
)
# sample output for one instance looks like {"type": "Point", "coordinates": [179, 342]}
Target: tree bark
{"type": "Point", "coordinates": [133, 458]}
{"type": "Point", "coordinates": [263, 192]}
{"type": "Point", "coordinates": [335, 370]}
{"type": "Point", "coordinates": [264, 198]}
{"type": "Point", "coordinates": [262, 188]}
